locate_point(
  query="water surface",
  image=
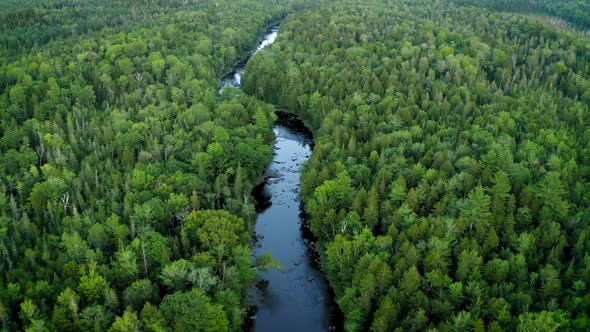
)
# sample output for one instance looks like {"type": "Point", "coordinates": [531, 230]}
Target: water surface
{"type": "Point", "coordinates": [298, 298]}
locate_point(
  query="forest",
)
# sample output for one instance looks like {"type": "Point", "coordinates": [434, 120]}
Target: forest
{"type": "Point", "coordinates": [448, 188]}
{"type": "Point", "coordinates": [125, 178]}
{"type": "Point", "coordinates": [575, 12]}
{"type": "Point", "coordinates": [449, 184]}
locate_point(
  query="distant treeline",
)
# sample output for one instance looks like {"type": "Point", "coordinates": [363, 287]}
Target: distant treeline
{"type": "Point", "coordinates": [576, 12]}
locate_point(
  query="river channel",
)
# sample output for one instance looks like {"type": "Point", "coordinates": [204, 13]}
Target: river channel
{"type": "Point", "coordinates": [298, 298]}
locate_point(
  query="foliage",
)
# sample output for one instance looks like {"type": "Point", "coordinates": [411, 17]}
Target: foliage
{"type": "Point", "coordinates": [113, 139]}
{"type": "Point", "coordinates": [449, 180]}
{"type": "Point", "coordinates": [576, 12]}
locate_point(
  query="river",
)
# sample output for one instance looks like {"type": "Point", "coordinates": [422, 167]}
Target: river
{"type": "Point", "coordinates": [234, 78]}
{"type": "Point", "coordinates": [298, 298]}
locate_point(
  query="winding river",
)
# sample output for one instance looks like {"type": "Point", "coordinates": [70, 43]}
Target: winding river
{"type": "Point", "coordinates": [298, 298]}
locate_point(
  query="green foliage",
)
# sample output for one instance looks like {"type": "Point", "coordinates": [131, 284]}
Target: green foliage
{"type": "Point", "coordinates": [448, 185]}
{"type": "Point", "coordinates": [126, 323]}
{"type": "Point", "coordinates": [541, 321]}
{"type": "Point", "coordinates": [92, 285]}
{"type": "Point", "coordinates": [573, 12]}
{"type": "Point", "coordinates": [266, 262]}
{"type": "Point", "coordinates": [448, 178]}
{"type": "Point", "coordinates": [112, 132]}
{"type": "Point", "coordinates": [192, 311]}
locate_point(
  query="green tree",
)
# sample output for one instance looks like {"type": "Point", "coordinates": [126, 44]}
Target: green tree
{"type": "Point", "coordinates": [66, 313]}
{"type": "Point", "coordinates": [193, 311]}
{"type": "Point", "coordinates": [128, 322]}
{"type": "Point", "coordinates": [538, 321]}
{"type": "Point", "coordinates": [92, 286]}
{"type": "Point", "coordinates": [140, 292]}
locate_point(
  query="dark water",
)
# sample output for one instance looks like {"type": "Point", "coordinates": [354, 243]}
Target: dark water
{"type": "Point", "coordinates": [298, 298]}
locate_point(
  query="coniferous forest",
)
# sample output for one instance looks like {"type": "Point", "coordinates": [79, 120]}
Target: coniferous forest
{"type": "Point", "coordinates": [448, 188]}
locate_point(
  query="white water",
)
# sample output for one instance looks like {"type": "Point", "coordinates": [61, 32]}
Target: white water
{"type": "Point", "coordinates": [235, 78]}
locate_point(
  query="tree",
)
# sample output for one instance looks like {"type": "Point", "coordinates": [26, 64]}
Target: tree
{"type": "Point", "coordinates": [538, 321]}
{"type": "Point", "coordinates": [125, 267]}
{"type": "Point", "coordinates": [29, 312]}
{"type": "Point", "coordinates": [193, 311]}
{"type": "Point", "coordinates": [332, 195]}
{"type": "Point", "coordinates": [469, 266]}
{"type": "Point", "coordinates": [266, 262]}
{"type": "Point", "coordinates": [476, 211]}
{"type": "Point", "coordinates": [95, 318]}
{"type": "Point", "coordinates": [179, 206]}
{"type": "Point", "coordinates": [75, 247]}
{"type": "Point", "coordinates": [152, 319]}
{"type": "Point", "coordinates": [230, 301]}
{"type": "Point", "coordinates": [550, 191]}
{"type": "Point", "coordinates": [97, 236]}
{"type": "Point", "coordinates": [140, 292]}
{"type": "Point", "coordinates": [126, 323]}
{"type": "Point", "coordinates": [46, 193]}
{"type": "Point", "coordinates": [175, 275]}
{"type": "Point", "coordinates": [371, 215]}
{"type": "Point", "coordinates": [92, 286]}
{"type": "Point", "coordinates": [461, 321]}
{"type": "Point", "coordinates": [153, 251]}
{"type": "Point", "coordinates": [217, 231]}
{"type": "Point", "coordinates": [386, 316]}
{"type": "Point", "coordinates": [66, 312]}
{"type": "Point", "coordinates": [410, 283]}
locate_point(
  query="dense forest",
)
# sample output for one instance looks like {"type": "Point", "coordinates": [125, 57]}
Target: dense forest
{"type": "Point", "coordinates": [125, 179]}
{"type": "Point", "coordinates": [448, 188]}
{"type": "Point", "coordinates": [575, 12]}
{"type": "Point", "coordinates": [449, 185]}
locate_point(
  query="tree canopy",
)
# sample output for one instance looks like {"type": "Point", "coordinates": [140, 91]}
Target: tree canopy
{"type": "Point", "coordinates": [450, 176]}
{"type": "Point", "coordinates": [125, 178]}
{"type": "Point", "coordinates": [449, 185]}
